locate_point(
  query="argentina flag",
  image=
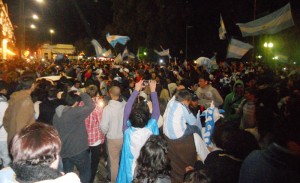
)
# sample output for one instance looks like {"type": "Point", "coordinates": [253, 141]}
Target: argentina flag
{"type": "Point", "coordinates": [270, 24]}
{"type": "Point", "coordinates": [163, 53]}
{"type": "Point", "coordinates": [97, 47]}
{"type": "Point", "coordinates": [237, 49]}
{"type": "Point", "coordinates": [114, 39]}
{"type": "Point", "coordinates": [107, 53]}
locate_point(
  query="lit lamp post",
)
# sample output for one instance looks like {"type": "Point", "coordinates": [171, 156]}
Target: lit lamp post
{"type": "Point", "coordinates": [269, 46]}
{"type": "Point", "coordinates": [32, 26]}
{"type": "Point", "coordinates": [51, 33]}
{"type": "Point", "coordinates": [22, 25]}
{"type": "Point", "coordinates": [35, 17]}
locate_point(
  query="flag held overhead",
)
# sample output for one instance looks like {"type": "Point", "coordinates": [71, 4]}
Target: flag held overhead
{"type": "Point", "coordinates": [270, 24]}
{"type": "Point", "coordinates": [98, 47]}
{"type": "Point", "coordinates": [237, 49]}
{"type": "Point", "coordinates": [163, 53]}
{"type": "Point", "coordinates": [114, 39]}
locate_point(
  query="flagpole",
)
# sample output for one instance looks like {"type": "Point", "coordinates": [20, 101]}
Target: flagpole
{"type": "Point", "coordinates": [186, 42]}
{"type": "Point", "coordinates": [253, 38]}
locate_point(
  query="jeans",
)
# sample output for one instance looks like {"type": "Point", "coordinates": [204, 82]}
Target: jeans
{"type": "Point", "coordinates": [82, 162]}
{"type": "Point", "coordinates": [95, 153]}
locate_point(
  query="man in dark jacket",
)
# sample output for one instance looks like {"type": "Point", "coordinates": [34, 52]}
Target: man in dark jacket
{"type": "Point", "coordinates": [69, 122]}
{"type": "Point", "coordinates": [48, 106]}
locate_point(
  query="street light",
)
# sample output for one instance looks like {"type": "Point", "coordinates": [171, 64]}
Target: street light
{"type": "Point", "coordinates": [51, 33]}
{"type": "Point", "coordinates": [268, 45]}
{"type": "Point", "coordinates": [22, 25]}
{"type": "Point", "coordinates": [32, 26]}
{"type": "Point", "coordinates": [35, 17]}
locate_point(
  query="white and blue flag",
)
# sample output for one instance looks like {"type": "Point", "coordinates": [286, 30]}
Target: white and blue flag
{"type": "Point", "coordinates": [237, 49]}
{"type": "Point", "coordinates": [163, 53]}
{"type": "Point", "coordinates": [125, 53]}
{"type": "Point", "coordinates": [98, 47]}
{"type": "Point", "coordinates": [118, 58]}
{"type": "Point", "coordinates": [107, 53]}
{"type": "Point", "coordinates": [114, 39]}
{"type": "Point", "coordinates": [270, 24]}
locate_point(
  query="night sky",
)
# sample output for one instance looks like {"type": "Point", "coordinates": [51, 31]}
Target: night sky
{"type": "Point", "coordinates": [62, 16]}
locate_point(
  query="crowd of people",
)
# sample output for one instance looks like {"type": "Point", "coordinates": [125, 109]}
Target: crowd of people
{"type": "Point", "coordinates": [177, 122]}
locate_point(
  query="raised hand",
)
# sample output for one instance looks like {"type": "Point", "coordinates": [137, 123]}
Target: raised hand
{"type": "Point", "coordinates": [139, 85]}
{"type": "Point", "coordinates": [152, 84]}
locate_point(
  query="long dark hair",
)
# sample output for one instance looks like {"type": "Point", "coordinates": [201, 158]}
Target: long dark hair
{"type": "Point", "coordinates": [153, 161]}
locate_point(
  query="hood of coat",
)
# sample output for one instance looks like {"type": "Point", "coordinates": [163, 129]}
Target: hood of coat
{"type": "Point", "coordinates": [60, 109]}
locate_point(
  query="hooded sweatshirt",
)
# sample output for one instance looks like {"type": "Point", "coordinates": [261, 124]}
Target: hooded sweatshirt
{"type": "Point", "coordinates": [112, 119]}
{"type": "Point", "coordinates": [70, 124]}
{"type": "Point", "coordinates": [207, 95]}
{"type": "Point", "coordinates": [232, 102]}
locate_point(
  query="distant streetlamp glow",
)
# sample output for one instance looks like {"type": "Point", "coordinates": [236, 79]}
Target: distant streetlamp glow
{"type": "Point", "coordinates": [35, 17]}
{"type": "Point", "coordinates": [32, 26]}
{"type": "Point", "coordinates": [268, 45]}
{"type": "Point", "coordinates": [51, 33]}
{"type": "Point", "coordinates": [145, 53]}
{"type": "Point", "coordinates": [39, 1]}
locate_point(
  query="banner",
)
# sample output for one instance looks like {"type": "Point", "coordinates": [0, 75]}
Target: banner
{"type": "Point", "coordinates": [114, 39]}
{"type": "Point", "coordinates": [237, 49]}
{"type": "Point", "coordinates": [163, 53]}
{"type": "Point", "coordinates": [270, 24]}
{"type": "Point", "coordinates": [97, 47]}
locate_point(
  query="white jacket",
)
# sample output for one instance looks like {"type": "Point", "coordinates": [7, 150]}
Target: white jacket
{"type": "Point", "coordinates": [112, 119]}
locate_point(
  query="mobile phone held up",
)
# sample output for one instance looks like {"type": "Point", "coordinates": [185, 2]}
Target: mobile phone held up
{"type": "Point", "coordinates": [145, 82]}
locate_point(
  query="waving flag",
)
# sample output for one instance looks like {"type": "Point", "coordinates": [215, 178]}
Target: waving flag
{"type": "Point", "coordinates": [107, 53]}
{"type": "Point", "coordinates": [222, 30]}
{"type": "Point", "coordinates": [131, 55]}
{"type": "Point", "coordinates": [125, 53]}
{"type": "Point", "coordinates": [114, 39]}
{"type": "Point", "coordinates": [237, 49]}
{"type": "Point", "coordinates": [97, 47]}
{"type": "Point", "coordinates": [137, 54]}
{"type": "Point", "coordinates": [163, 53]}
{"type": "Point", "coordinates": [118, 58]}
{"type": "Point", "coordinates": [270, 24]}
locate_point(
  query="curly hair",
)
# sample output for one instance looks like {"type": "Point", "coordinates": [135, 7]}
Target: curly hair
{"type": "Point", "coordinates": [153, 161]}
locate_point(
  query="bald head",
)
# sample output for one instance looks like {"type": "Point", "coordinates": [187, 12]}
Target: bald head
{"type": "Point", "coordinates": [115, 92]}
